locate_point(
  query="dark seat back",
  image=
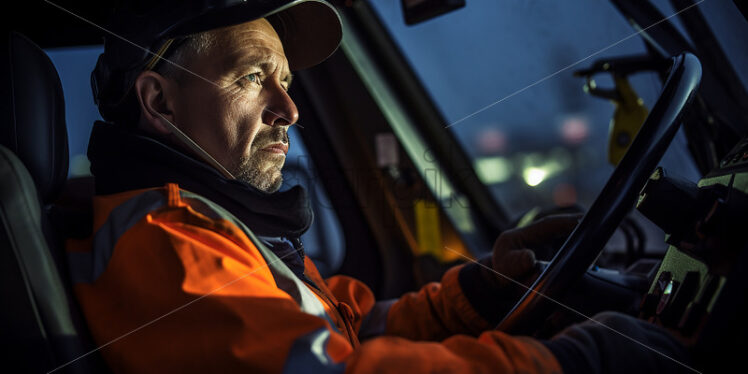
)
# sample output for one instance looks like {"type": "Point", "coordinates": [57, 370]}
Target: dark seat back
{"type": "Point", "coordinates": [42, 328]}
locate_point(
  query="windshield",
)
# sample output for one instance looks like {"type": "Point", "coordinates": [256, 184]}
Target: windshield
{"type": "Point", "coordinates": [501, 73]}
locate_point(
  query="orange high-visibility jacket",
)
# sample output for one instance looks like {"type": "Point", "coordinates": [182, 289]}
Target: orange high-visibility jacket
{"type": "Point", "coordinates": [171, 282]}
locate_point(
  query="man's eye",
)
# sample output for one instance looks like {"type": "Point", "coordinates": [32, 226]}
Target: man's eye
{"type": "Point", "coordinates": [254, 77]}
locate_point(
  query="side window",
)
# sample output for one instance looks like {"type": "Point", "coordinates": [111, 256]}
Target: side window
{"type": "Point", "coordinates": [74, 65]}
{"type": "Point", "coordinates": [324, 241]}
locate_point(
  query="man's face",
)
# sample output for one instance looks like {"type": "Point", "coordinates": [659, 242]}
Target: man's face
{"type": "Point", "coordinates": [241, 114]}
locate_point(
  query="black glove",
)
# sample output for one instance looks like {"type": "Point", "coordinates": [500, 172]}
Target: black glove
{"type": "Point", "coordinates": [493, 295]}
{"type": "Point", "coordinates": [590, 347]}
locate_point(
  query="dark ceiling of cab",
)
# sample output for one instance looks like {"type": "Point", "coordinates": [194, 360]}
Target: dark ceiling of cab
{"type": "Point", "coordinates": [51, 27]}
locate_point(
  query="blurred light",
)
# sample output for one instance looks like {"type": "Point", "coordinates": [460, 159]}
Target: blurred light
{"type": "Point", "coordinates": [491, 140]}
{"type": "Point", "coordinates": [530, 159]}
{"type": "Point", "coordinates": [668, 288]}
{"type": "Point", "coordinates": [492, 170]}
{"type": "Point", "coordinates": [537, 167]}
{"type": "Point", "coordinates": [575, 129]}
{"type": "Point", "coordinates": [534, 176]}
{"type": "Point", "coordinates": [552, 167]}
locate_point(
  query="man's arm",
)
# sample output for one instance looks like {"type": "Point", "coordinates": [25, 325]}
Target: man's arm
{"type": "Point", "coordinates": [435, 312]}
{"type": "Point", "coordinates": [470, 298]}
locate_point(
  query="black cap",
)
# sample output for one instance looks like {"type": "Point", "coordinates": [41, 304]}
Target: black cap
{"type": "Point", "coordinates": [310, 31]}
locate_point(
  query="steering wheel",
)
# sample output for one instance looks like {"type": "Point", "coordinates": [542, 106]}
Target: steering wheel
{"type": "Point", "coordinates": [615, 201]}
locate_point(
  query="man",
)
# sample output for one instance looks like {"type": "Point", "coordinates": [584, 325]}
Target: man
{"type": "Point", "coordinates": [195, 263]}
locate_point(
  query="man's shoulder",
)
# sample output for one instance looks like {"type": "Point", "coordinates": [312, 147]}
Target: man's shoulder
{"type": "Point", "coordinates": [115, 207]}
{"type": "Point", "coordinates": [119, 206]}
{"type": "Point", "coordinates": [166, 231]}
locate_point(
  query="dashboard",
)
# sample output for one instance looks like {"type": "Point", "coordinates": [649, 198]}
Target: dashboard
{"type": "Point", "coordinates": [699, 289]}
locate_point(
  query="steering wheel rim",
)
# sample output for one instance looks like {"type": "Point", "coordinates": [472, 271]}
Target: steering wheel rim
{"type": "Point", "coordinates": [616, 199]}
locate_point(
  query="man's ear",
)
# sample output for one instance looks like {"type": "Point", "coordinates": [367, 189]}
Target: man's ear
{"type": "Point", "coordinates": [155, 95]}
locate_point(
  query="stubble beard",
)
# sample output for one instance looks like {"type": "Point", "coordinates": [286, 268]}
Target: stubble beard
{"type": "Point", "coordinates": [260, 169]}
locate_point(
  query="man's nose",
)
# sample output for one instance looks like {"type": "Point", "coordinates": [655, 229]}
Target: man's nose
{"type": "Point", "coordinates": [281, 110]}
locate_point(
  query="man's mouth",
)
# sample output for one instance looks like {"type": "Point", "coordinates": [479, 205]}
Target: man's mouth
{"type": "Point", "coordinates": [278, 148]}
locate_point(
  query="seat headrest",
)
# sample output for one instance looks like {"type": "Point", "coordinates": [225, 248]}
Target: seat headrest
{"type": "Point", "coordinates": [33, 114]}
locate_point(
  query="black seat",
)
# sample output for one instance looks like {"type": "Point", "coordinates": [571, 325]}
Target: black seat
{"type": "Point", "coordinates": [41, 326]}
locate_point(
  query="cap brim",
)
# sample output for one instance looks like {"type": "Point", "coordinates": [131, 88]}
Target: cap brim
{"type": "Point", "coordinates": [310, 30]}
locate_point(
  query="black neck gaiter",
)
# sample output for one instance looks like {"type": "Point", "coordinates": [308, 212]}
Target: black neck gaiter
{"type": "Point", "coordinates": [124, 160]}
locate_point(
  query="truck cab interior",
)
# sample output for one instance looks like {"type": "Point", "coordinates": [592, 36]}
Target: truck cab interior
{"type": "Point", "coordinates": [434, 127]}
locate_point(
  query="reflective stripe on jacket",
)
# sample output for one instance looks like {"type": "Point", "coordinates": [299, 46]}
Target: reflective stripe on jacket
{"type": "Point", "coordinates": [171, 282]}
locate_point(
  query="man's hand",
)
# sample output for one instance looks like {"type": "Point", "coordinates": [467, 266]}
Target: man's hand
{"type": "Point", "coordinates": [513, 255]}
{"type": "Point", "coordinates": [490, 285]}
{"type": "Point", "coordinates": [617, 343]}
